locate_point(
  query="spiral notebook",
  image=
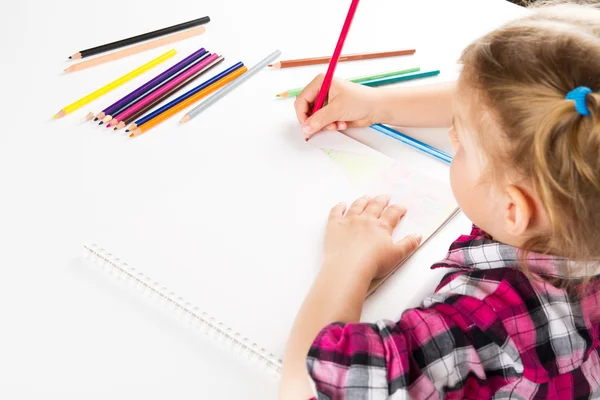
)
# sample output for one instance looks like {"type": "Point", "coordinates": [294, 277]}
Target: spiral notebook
{"type": "Point", "coordinates": [181, 240]}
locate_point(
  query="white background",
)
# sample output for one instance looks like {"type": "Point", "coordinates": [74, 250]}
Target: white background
{"type": "Point", "coordinates": [66, 331]}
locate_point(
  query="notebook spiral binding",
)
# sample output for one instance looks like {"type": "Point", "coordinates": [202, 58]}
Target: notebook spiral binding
{"type": "Point", "coordinates": [207, 324]}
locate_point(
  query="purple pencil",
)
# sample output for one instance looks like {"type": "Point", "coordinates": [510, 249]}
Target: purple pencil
{"type": "Point", "coordinates": [139, 92]}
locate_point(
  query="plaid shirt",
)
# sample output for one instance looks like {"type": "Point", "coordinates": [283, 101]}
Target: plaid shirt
{"type": "Point", "coordinates": [487, 331]}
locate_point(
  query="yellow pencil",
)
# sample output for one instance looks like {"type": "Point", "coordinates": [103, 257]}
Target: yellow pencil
{"type": "Point", "coordinates": [115, 84]}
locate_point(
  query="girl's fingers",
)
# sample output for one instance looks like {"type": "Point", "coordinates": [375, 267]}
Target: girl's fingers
{"type": "Point", "coordinates": [376, 206]}
{"type": "Point", "coordinates": [392, 215]}
{"type": "Point", "coordinates": [407, 246]}
{"type": "Point", "coordinates": [337, 212]}
{"type": "Point", "coordinates": [303, 102]}
{"type": "Point", "coordinates": [358, 206]}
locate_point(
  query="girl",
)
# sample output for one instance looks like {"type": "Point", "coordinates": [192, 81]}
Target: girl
{"type": "Point", "coordinates": [518, 316]}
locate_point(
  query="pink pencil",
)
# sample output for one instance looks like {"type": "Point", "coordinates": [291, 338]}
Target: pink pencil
{"type": "Point", "coordinates": [164, 89]}
{"type": "Point", "coordinates": [334, 59]}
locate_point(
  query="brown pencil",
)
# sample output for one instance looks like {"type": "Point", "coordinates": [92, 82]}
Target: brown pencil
{"type": "Point", "coordinates": [348, 57]}
{"type": "Point", "coordinates": [137, 49]}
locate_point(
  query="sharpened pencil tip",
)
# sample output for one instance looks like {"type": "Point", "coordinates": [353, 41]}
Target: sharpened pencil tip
{"type": "Point", "coordinates": [60, 114]}
{"type": "Point", "coordinates": [127, 131]}
{"type": "Point", "coordinates": [96, 119]}
{"type": "Point", "coordinates": [131, 134]}
{"type": "Point", "coordinates": [185, 119]}
{"type": "Point", "coordinates": [270, 65]}
{"type": "Point", "coordinates": [70, 58]}
{"type": "Point", "coordinates": [101, 123]}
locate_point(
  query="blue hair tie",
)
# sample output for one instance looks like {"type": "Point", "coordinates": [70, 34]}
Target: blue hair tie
{"type": "Point", "coordinates": [578, 95]}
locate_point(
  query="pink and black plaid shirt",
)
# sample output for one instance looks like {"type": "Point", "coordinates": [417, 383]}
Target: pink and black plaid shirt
{"type": "Point", "coordinates": [488, 331]}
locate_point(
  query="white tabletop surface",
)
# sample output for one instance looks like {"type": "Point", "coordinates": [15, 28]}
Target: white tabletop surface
{"type": "Point", "coordinates": [65, 331]}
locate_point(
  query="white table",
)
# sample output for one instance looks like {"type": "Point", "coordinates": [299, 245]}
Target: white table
{"type": "Point", "coordinates": [65, 331]}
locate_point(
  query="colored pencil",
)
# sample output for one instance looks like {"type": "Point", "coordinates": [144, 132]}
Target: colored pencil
{"type": "Point", "coordinates": [165, 96]}
{"type": "Point", "coordinates": [147, 100]}
{"type": "Point", "coordinates": [301, 62]}
{"type": "Point", "coordinates": [107, 88]}
{"type": "Point", "coordinates": [136, 49]}
{"type": "Point", "coordinates": [169, 79]}
{"type": "Point", "coordinates": [187, 102]}
{"type": "Point", "coordinates": [223, 92]}
{"type": "Point", "coordinates": [142, 90]}
{"type": "Point", "coordinates": [295, 92]}
{"type": "Point", "coordinates": [417, 144]}
{"type": "Point", "coordinates": [184, 96]}
{"type": "Point", "coordinates": [139, 38]}
{"type": "Point", "coordinates": [320, 100]}
{"type": "Point", "coordinates": [400, 78]}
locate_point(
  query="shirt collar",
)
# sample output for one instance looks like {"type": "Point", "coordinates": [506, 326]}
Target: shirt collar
{"type": "Point", "coordinates": [478, 251]}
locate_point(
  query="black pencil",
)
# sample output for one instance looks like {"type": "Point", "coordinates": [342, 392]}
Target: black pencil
{"type": "Point", "coordinates": [139, 38]}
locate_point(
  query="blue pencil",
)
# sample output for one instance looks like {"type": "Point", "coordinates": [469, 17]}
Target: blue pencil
{"type": "Point", "coordinates": [417, 144]}
{"type": "Point", "coordinates": [184, 96]}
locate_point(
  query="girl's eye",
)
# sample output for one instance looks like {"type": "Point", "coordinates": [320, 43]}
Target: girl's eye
{"type": "Point", "coordinates": [454, 138]}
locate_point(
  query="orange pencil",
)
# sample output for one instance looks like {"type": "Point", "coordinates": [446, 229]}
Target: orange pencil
{"type": "Point", "coordinates": [137, 49]}
{"type": "Point", "coordinates": [191, 100]}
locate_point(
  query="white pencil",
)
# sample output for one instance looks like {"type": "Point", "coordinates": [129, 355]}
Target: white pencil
{"type": "Point", "coordinates": [216, 97]}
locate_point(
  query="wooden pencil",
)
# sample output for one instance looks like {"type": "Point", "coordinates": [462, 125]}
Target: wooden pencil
{"type": "Point", "coordinates": [295, 92]}
{"type": "Point", "coordinates": [149, 86]}
{"type": "Point", "coordinates": [187, 102]}
{"type": "Point", "coordinates": [139, 38]}
{"type": "Point", "coordinates": [113, 85]}
{"type": "Point", "coordinates": [136, 49]}
{"type": "Point", "coordinates": [325, 85]}
{"type": "Point", "coordinates": [122, 122]}
{"type": "Point", "coordinates": [348, 57]}
{"type": "Point", "coordinates": [223, 92]}
{"type": "Point", "coordinates": [153, 96]}
{"type": "Point", "coordinates": [184, 96]}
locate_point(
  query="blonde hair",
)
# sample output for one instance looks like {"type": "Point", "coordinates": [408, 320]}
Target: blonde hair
{"type": "Point", "coordinates": [521, 73]}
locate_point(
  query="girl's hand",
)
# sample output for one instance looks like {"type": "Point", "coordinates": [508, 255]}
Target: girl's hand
{"type": "Point", "coordinates": [349, 105]}
{"type": "Point", "coordinates": [361, 239]}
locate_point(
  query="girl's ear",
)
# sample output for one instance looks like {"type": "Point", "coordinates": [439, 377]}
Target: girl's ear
{"type": "Point", "coordinates": [518, 211]}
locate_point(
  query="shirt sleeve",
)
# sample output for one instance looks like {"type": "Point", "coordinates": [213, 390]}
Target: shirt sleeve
{"type": "Point", "coordinates": [427, 353]}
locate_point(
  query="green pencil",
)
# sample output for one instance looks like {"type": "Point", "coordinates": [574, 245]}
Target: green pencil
{"type": "Point", "coordinates": [360, 79]}
{"type": "Point", "coordinates": [401, 78]}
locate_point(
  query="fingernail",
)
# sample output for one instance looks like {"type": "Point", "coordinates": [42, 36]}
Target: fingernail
{"type": "Point", "coordinates": [306, 129]}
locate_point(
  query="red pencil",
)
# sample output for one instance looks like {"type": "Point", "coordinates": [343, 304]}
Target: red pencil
{"type": "Point", "coordinates": [334, 59]}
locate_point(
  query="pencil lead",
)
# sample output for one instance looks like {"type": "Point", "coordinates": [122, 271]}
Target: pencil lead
{"type": "Point", "coordinates": [126, 130]}
{"type": "Point", "coordinates": [96, 119]}
{"type": "Point", "coordinates": [60, 114]}
{"type": "Point", "coordinates": [101, 123]}
{"type": "Point", "coordinates": [70, 58]}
